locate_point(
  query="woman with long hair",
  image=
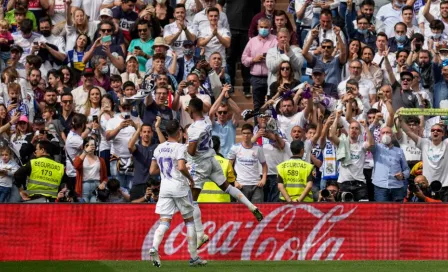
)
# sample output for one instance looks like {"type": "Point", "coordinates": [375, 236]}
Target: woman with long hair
{"type": "Point", "coordinates": [74, 56]}
{"type": "Point", "coordinates": [73, 145]}
{"type": "Point", "coordinates": [90, 171]}
{"type": "Point", "coordinates": [285, 80]}
{"type": "Point", "coordinates": [107, 113]}
{"type": "Point", "coordinates": [354, 53]}
{"type": "Point", "coordinates": [93, 104]}
{"type": "Point", "coordinates": [68, 78]}
{"type": "Point", "coordinates": [77, 23]}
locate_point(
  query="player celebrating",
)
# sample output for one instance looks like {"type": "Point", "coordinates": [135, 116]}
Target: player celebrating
{"type": "Point", "coordinates": [175, 194]}
{"type": "Point", "coordinates": [204, 166]}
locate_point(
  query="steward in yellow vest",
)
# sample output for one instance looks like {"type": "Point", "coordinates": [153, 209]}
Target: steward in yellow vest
{"type": "Point", "coordinates": [295, 176]}
{"type": "Point", "coordinates": [211, 192]}
{"type": "Point", "coordinates": [45, 175]}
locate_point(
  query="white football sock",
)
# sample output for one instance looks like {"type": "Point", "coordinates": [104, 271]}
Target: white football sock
{"type": "Point", "coordinates": [197, 220]}
{"type": "Point", "coordinates": [238, 195]}
{"type": "Point", "coordinates": [192, 240]}
{"type": "Point", "coordinates": [160, 232]}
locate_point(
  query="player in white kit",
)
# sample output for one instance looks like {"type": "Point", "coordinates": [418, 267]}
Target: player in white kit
{"type": "Point", "coordinates": [204, 166]}
{"type": "Point", "coordinates": [175, 194]}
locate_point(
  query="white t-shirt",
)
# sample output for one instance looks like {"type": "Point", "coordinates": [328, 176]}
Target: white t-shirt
{"type": "Point", "coordinates": [434, 10]}
{"type": "Point", "coordinates": [386, 18]}
{"type": "Point", "coordinates": [26, 44]}
{"type": "Point", "coordinates": [366, 88]}
{"type": "Point", "coordinates": [119, 145]}
{"type": "Point", "coordinates": [72, 34]}
{"type": "Point", "coordinates": [201, 132]}
{"type": "Point", "coordinates": [214, 45]}
{"type": "Point", "coordinates": [287, 123]}
{"type": "Point", "coordinates": [201, 21]}
{"type": "Point", "coordinates": [104, 145]}
{"type": "Point", "coordinates": [80, 97]}
{"type": "Point", "coordinates": [246, 163]}
{"type": "Point", "coordinates": [185, 118]}
{"type": "Point", "coordinates": [73, 147]}
{"type": "Point", "coordinates": [59, 12]}
{"type": "Point", "coordinates": [429, 123]}
{"type": "Point", "coordinates": [435, 160]}
{"type": "Point", "coordinates": [177, 45]}
{"type": "Point", "coordinates": [355, 170]}
{"type": "Point", "coordinates": [91, 7]}
{"type": "Point", "coordinates": [274, 156]}
{"type": "Point", "coordinates": [173, 183]}
{"type": "Point", "coordinates": [410, 149]}
{"type": "Point", "coordinates": [91, 171]}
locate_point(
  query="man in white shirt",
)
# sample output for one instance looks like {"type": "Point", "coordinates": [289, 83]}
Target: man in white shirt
{"type": "Point", "coordinates": [388, 16]}
{"type": "Point", "coordinates": [288, 118]}
{"type": "Point", "coordinates": [412, 153]}
{"type": "Point", "coordinates": [57, 51]}
{"type": "Point", "coordinates": [213, 37]}
{"type": "Point", "coordinates": [201, 21]}
{"type": "Point", "coordinates": [119, 132]}
{"type": "Point", "coordinates": [27, 39]}
{"type": "Point", "coordinates": [179, 31]}
{"type": "Point", "coordinates": [181, 101]}
{"type": "Point", "coordinates": [81, 93]}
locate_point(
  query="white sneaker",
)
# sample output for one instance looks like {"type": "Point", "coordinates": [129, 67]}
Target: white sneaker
{"type": "Point", "coordinates": [141, 94]}
{"type": "Point", "coordinates": [198, 262]}
{"type": "Point", "coordinates": [202, 241]}
{"type": "Point", "coordinates": [154, 257]}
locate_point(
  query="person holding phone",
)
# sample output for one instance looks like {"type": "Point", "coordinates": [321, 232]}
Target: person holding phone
{"type": "Point", "coordinates": [254, 56]}
{"type": "Point", "coordinates": [106, 114]}
{"type": "Point", "coordinates": [91, 171]}
{"type": "Point", "coordinates": [15, 103]}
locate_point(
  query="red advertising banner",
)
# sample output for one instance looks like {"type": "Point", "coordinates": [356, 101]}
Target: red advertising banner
{"type": "Point", "coordinates": [357, 231]}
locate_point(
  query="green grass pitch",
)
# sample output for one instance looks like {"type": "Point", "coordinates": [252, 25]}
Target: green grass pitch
{"type": "Point", "coordinates": [231, 266]}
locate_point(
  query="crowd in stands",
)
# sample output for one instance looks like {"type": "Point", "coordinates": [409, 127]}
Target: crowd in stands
{"type": "Point", "coordinates": [98, 79]}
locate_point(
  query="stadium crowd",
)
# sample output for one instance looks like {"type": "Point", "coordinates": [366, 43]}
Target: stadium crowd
{"type": "Point", "coordinates": [91, 84]}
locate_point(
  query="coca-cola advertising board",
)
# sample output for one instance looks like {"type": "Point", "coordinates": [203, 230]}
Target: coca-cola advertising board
{"type": "Point", "coordinates": [288, 232]}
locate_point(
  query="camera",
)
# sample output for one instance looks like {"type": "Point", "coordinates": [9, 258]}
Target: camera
{"type": "Point", "coordinates": [340, 196]}
{"type": "Point", "coordinates": [127, 117]}
{"type": "Point", "coordinates": [189, 83]}
{"type": "Point", "coordinates": [138, 47]}
{"type": "Point", "coordinates": [95, 118]}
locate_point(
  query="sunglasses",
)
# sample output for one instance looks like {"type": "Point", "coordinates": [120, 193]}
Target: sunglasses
{"type": "Point", "coordinates": [67, 101]}
{"type": "Point", "coordinates": [437, 130]}
{"type": "Point", "coordinates": [326, 46]}
{"type": "Point", "coordinates": [143, 30]}
{"type": "Point", "coordinates": [406, 79]}
{"type": "Point", "coordinates": [356, 67]}
{"type": "Point", "coordinates": [109, 30]}
{"type": "Point", "coordinates": [222, 112]}
{"type": "Point", "coordinates": [285, 68]}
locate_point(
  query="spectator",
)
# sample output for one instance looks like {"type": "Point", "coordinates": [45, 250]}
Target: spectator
{"type": "Point", "coordinates": [246, 156]}
{"type": "Point", "coordinates": [288, 117]}
{"type": "Point", "coordinates": [6, 40]}
{"type": "Point", "coordinates": [92, 107]}
{"type": "Point", "coordinates": [304, 16]}
{"type": "Point", "coordinates": [75, 55]}
{"type": "Point", "coordinates": [115, 193]}
{"type": "Point", "coordinates": [301, 175]}
{"type": "Point", "coordinates": [426, 66]}
{"type": "Point", "coordinates": [15, 103]}
{"type": "Point", "coordinates": [92, 7]}
{"type": "Point", "coordinates": [188, 61]}
{"type": "Point", "coordinates": [283, 52]}
{"type": "Point", "coordinates": [423, 193]}
{"type": "Point", "coordinates": [201, 20]}
{"type": "Point", "coordinates": [80, 94]}
{"type": "Point", "coordinates": [117, 37]}
{"type": "Point", "coordinates": [214, 38]}
{"type": "Point", "coordinates": [164, 13]}
{"type": "Point", "coordinates": [132, 72]}
{"type": "Point", "coordinates": [254, 57]}
{"type": "Point", "coordinates": [77, 22]}
{"type": "Point", "coordinates": [285, 80]}
{"type": "Point", "coordinates": [143, 47]}
{"type": "Point", "coordinates": [281, 20]}
{"type": "Point", "coordinates": [20, 12]}
{"type": "Point", "coordinates": [178, 32]}
{"type": "Point", "coordinates": [400, 41]}
{"type": "Point", "coordinates": [320, 85]}
{"type": "Point", "coordinates": [26, 39]}
{"type": "Point", "coordinates": [354, 53]}
{"type": "Point", "coordinates": [412, 153]}
{"type": "Point", "coordinates": [74, 145]}
{"type": "Point", "coordinates": [119, 131]}
{"type": "Point", "coordinates": [363, 33]}
{"type": "Point", "coordinates": [370, 70]}
{"type": "Point", "coordinates": [16, 54]}
{"type": "Point", "coordinates": [157, 107]}
{"type": "Point", "coordinates": [331, 64]}
{"type": "Point", "coordinates": [352, 157]}
{"type": "Point", "coordinates": [407, 15]}
{"type": "Point", "coordinates": [215, 62]}
{"type": "Point", "coordinates": [8, 167]}
{"type": "Point", "coordinates": [390, 170]}
{"type": "Point", "coordinates": [388, 16]}
{"type": "Point", "coordinates": [90, 171]}
{"type": "Point", "coordinates": [107, 113]}
{"type": "Point", "coordinates": [436, 14]}
{"type": "Point", "coordinates": [17, 138]}
{"type": "Point", "coordinates": [67, 112]}
{"type": "Point", "coordinates": [433, 155]}
{"type": "Point", "coordinates": [141, 153]}
{"type": "Point", "coordinates": [69, 80]}
{"type": "Point", "coordinates": [333, 188]}
{"type": "Point", "coordinates": [101, 71]}
{"type": "Point", "coordinates": [125, 17]}
{"type": "Point", "coordinates": [116, 91]}
{"type": "Point", "coordinates": [227, 117]}
{"type": "Point", "coordinates": [55, 81]}
{"type": "Point", "coordinates": [160, 53]}
{"type": "Point", "coordinates": [51, 46]}
{"type": "Point", "coordinates": [440, 87]}
{"type": "Point", "coordinates": [268, 13]}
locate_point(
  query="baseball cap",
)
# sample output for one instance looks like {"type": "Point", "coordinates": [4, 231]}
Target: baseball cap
{"type": "Point", "coordinates": [15, 47]}
{"type": "Point", "coordinates": [187, 43]}
{"type": "Point", "coordinates": [131, 57]}
{"type": "Point", "coordinates": [87, 72]}
{"type": "Point", "coordinates": [319, 70]}
{"type": "Point", "coordinates": [106, 12]}
{"type": "Point", "coordinates": [23, 118]}
{"type": "Point", "coordinates": [39, 121]}
{"type": "Point", "coordinates": [404, 73]}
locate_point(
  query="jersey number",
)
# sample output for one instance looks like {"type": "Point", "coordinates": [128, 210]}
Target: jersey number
{"type": "Point", "coordinates": [166, 165]}
{"type": "Point", "coordinates": [205, 143]}
{"type": "Point", "coordinates": [47, 173]}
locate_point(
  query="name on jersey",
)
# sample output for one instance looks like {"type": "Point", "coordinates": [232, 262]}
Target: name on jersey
{"type": "Point", "coordinates": [294, 164]}
{"type": "Point", "coordinates": [52, 166]}
{"type": "Point", "coordinates": [166, 149]}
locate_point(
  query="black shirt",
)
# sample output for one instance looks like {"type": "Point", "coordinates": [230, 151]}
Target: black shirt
{"type": "Point", "coordinates": [151, 112]}
{"type": "Point", "coordinates": [142, 161]}
{"type": "Point", "coordinates": [403, 99]}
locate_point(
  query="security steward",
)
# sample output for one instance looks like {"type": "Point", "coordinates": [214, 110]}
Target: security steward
{"type": "Point", "coordinates": [45, 175]}
{"type": "Point", "coordinates": [211, 192]}
{"type": "Point", "coordinates": [295, 176]}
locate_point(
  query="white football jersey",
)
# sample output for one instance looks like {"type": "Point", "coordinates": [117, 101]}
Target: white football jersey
{"type": "Point", "coordinates": [201, 132]}
{"type": "Point", "coordinates": [173, 183]}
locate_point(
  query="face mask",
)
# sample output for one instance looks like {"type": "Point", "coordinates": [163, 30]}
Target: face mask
{"type": "Point", "coordinates": [386, 139]}
{"type": "Point", "coordinates": [46, 33]}
{"type": "Point", "coordinates": [105, 70]}
{"type": "Point", "coordinates": [400, 38]}
{"type": "Point", "coordinates": [125, 113]}
{"type": "Point", "coordinates": [418, 47]}
{"type": "Point", "coordinates": [363, 31]}
{"type": "Point", "coordinates": [188, 52]}
{"type": "Point", "coordinates": [399, 4]}
{"type": "Point", "coordinates": [264, 32]}
{"type": "Point", "coordinates": [436, 36]}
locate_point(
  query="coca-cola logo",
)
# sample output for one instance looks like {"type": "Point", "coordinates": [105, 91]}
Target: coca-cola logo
{"type": "Point", "coordinates": [277, 237]}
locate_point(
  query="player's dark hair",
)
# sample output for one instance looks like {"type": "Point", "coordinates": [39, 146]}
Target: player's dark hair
{"type": "Point", "coordinates": [172, 127]}
{"type": "Point", "coordinates": [196, 104]}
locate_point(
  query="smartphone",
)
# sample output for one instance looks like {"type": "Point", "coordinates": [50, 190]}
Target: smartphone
{"type": "Point", "coordinates": [264, 55]}
{"type": "Point", "coordinates": [127, 117]}
{"type": "Point", "coordinates": [138, 47]}
{"type": "Point", "coordinates": [35, 43]}
{"type": "Point", "coordinates": [42, 131]}
{"type": "Point", "coordinates": [95, 118]}
{"type": "Point", "coordinates": [106, 39]}
{"type": "Point", "coordinates": [189, 83]}
{"type": "Point", "coordinates": [287, 86]}
{"type": "Point", "coordinates": [13, 100]}
{"type": "Point", "coordinates": [202, 58]}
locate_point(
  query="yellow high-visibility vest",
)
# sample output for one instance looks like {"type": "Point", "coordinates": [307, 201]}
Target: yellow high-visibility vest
{"type": "Point", "coordinates": [211, 192]}
{"type": "Point", "coordinates": [294, 173]}
{"type": "Point", "coordinates": [45, 178]}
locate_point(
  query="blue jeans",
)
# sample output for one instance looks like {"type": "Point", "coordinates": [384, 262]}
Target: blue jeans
{"type": "Point", "coordinates": [390, 195]}
{"type": "Point", "coordinates": [259, 90]}
{"type": "Point", "coordinates": [125, 180]}
{"type": "Point", "coordinates": [271, 192]}
{"type": "Point", "coordinates": [4, 194]}
{"type": "Point", "coordinates": [88, 186]}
